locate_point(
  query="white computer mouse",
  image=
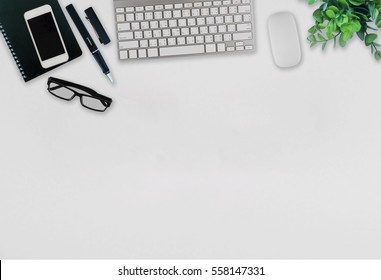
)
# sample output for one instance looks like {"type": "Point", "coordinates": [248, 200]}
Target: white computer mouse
{"type": "Point", "coordinates": [284, 39]}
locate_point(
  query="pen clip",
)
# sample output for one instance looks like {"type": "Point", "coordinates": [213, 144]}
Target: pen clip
{"type": "Point", "coordinates": [97, 25]}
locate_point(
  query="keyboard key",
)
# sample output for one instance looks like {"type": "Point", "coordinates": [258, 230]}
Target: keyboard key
{"type": "Point", "coordinates": [200, 39]}
{"type": "Point", "coordinates": [126, 36]}
{"type": "Point", "coordinates": [148, 34]}
{"type": "Point", "coordinates": [238, 18]}
{"type": "Point", "coordinates": [163, 23]}
{"type": "Point", "coordinates": [153, 43]}
{"type": "Point", "coordinates": [218, 38]}
{"type": "Point", "coordinates": [181, 40]}
{"type": "Point", "coordinates": [157, 33]}
{"type": "Point", "coordinates": [124, 26]}
{"type": "Point", "coordinates": [191, 21]}
{"type": "Point", "coordinates": [176, 32]}
{"type": "Point", "coordinates": [171, 41]}
{"type": "Point", "coordinates": [228, 37]}
{"type": "Point", "coordinates": [162, 42]}
{"type": "Point", "coordinates": [230, 49]}
{"type": "Point", "coordinates": [172, 23]}
{"type": "Point", "coordinates": [222, 28]}
{"type": "Point", "coordinates": [244, 27]}
{"type": "Point", "coordinates": [219, 20]}
{"type": "Point", "coordinates": [214, 11]}
{"type": "Point", "coordinates": [130, 17]}
{"type": "Point", "coordinates": [120, 18]}
{"type": "Point", "coordinates": [158, 15]}
{"type": "Point", "coordinates": [227, 2]}
{"type": "Point", "coordinates": [241, 48]}
{"type": "Point", "coordinates": [168, 14]}
{"type": "Point", "coordinates": [221, 47]}
{"type": "Point", "coordinates": [177, 14]}
{"type": "Point", "coordinates": [204, 30]}
{"type": "Point", "coordinates": [139, 16]}
{"type": "Point", "coordinates": [130, 9]}
{"type": "Point", "coordinates": [210, 48]}
{"type": "Point", "coordinates": [228, 19]}
{"type": "Point", "coordinates": [166, 32]}
{"type": "Point", "coordinates": [209, 38]}
{"type": "Point", "coordinates": [194, 31]}
{"type": "Point", "coordinates": [144, 25]}
{"type": "Point", "coordinates": [249, 48]}
{"type": "Point", "coordinates": [194, 49]}
{"type": "Point", "coordinates": [195, 12]}
{"type": "Point", "coordinates": [185, 31]}
{"type": "Point", "coordinates": [149, 8]}
{"type": "Point", "coordinates": [247, 18]}
{"type": "Point", "coordinates": [242, 36]}
{"type": "Point", "coordinates": [207, 4]}
{"type": "Point", "coordinates": [128, 45]}
{"type": "Point", "coordinates": [120, 10]}
{"type": "Point", "coordinates": [154, 24]}
{"type": "Point", "coordinates": [123, 55]}
{"type": "Point", "coordinates": [135, 26]}
{"type": "Point", "coordinates": [213, 29]}
{"type": "Point", "coordinates": [182, 22]}
{"type": "Point", "coordinates": [244, 9]}
{"type": "Point", "coordinates": [197, 4]}
{"type": "Point", "coordinates": [210, 20]}
{"type": "Point", "coordinates": [186, 13]}
{"type": "Point", "coordinates": [148, 16]}
{"type": "Point", "coordinates": [178, 6]}
{"type": "Point", "coordinates": [231, 28]}
{"type": "Point", "coordinates": [188, 5]}
{"type": "Point", "coordinates": [143, 43]}
{"type": "Point", "coordinates": [168, 7]}
{"type": "Point", "coordinates": [159, 7]}
{"type": "Point", "coordinates": [223, 10]}
{"type": "Point", "coordinates": [200, 21]}
{"type": "Point", "coordinates": [190, 40]}
{"type": "Point", "coordinates": [133, 54]}
{"type": "Point", "coordinates": [233, 10]}
{"type": "Point", "coordinates": [138, 35]}
{"type": "Point", "coordinates": [205, 12]}
{"type": "Point", "coordinates": [153, 52]}
{"type": "Point", "coordinates": [139, 9]}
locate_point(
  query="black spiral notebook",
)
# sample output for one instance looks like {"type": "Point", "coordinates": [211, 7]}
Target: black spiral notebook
{"type": "Point", "coordinates": [17, 36]}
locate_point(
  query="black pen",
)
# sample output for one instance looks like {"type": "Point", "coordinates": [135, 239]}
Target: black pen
{"type": "Point", "coordinates": [89, 41]}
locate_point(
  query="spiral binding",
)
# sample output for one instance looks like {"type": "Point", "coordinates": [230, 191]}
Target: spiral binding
{"type": "Point", "coordinates": [13, 52]}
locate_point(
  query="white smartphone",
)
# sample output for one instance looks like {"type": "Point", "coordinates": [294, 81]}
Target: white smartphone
{"type": "Point", "coordinates": [46, 36]}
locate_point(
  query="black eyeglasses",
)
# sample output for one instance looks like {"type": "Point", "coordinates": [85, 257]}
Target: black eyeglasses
{"type": "Point", "coordinates": [90, 99]}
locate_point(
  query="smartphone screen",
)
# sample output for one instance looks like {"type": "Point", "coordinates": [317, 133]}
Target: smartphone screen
{"type": "Point", "coordinates": [46, 36]}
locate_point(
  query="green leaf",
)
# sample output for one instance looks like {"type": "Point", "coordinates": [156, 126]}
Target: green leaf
{"type": "Point", "coordinates": [330, 14]}
{"type": "Point", "coordinates": [377, 55]}
{"type": "Point", "coordinates": [321, 38]}
{"type": "Point", "coordinates": [370, 38]}
{"type": "Point", "coordinates": [311, 38]}
{"type": "Point", "coordinates": [357, 2]}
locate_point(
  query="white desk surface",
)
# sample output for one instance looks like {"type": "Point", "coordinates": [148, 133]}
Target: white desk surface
{"type": "Point", "coordinates": [199, 157]}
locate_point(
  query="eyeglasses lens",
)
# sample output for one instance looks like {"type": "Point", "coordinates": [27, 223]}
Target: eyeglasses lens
{"type": "Point", "coordinates": [61, 91]}
{"type": "Point", "coordinates": [93, 103]}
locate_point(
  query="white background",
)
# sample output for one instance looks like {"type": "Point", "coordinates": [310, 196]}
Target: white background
{"type": "Point", "coordinates": [199, 157]}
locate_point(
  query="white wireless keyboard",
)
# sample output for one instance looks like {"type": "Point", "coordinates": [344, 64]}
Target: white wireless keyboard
{"type": "Point", "coordinates": [157, 28]}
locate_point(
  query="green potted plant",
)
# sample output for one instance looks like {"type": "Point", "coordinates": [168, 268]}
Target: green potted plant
{"type": "Point", "coordinates": [340, 20]}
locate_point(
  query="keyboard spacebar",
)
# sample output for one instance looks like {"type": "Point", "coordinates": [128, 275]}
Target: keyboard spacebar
{"type": "Point", "coordinates": [182, 50]}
